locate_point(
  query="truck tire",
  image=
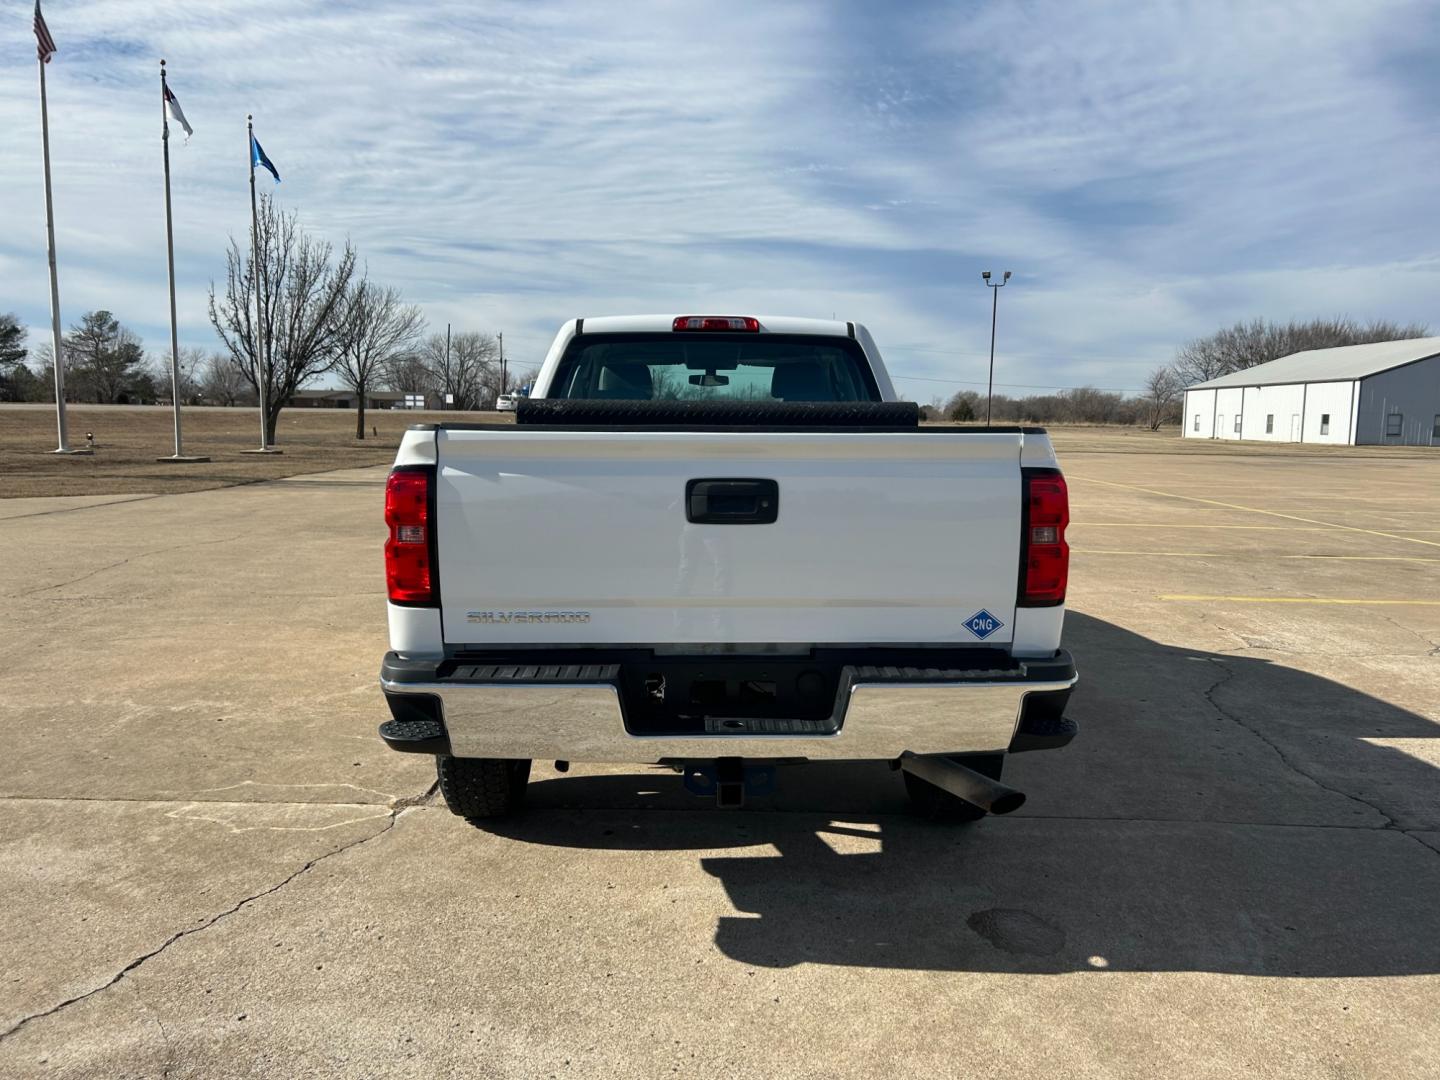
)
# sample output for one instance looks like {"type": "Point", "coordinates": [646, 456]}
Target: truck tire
{"type": "Point", "coordinates": [936, 804]}
{"type": "Point", "coordinates": [478, 788]}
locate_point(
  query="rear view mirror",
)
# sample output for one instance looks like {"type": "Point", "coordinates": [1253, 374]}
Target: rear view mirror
{"type": "Point", "coordinates": [709, 379]}
{"type": "Point", "coordinates": [711, 356]}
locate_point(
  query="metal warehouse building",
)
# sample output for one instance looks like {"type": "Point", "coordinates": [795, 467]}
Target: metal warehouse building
{"type": "Point", "coordinates": [1387, 393]}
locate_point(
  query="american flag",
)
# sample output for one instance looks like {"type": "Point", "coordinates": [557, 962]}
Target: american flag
{"type": "Point", "coordinates": [45, 44]}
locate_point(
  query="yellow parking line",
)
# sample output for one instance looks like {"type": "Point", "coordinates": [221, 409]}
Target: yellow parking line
{"type": "Point", "coordinates": [1250, 528]}
{"type": "Point", "coordinates": [1257, 510]}
{"type": "Point", "coordinates": [1299, 600]}
{"type": "Point", "coordinates": [1241, 528]}
{"type": "Point", "coordinates": [1399, 496]}
{"type": "Point", "coordinates": [1249, 555]}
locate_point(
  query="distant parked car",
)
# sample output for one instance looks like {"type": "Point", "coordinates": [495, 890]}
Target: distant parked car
{"type": "Point", "coordinates": [506, 402]}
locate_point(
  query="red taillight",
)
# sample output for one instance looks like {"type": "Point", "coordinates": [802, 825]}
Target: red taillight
{"type": "Point", "coordinates": [1045, 553]}
{"type": "Point", "coordinates": [407, 551]}
{"type": "Point", "coordinates": [717, 322]}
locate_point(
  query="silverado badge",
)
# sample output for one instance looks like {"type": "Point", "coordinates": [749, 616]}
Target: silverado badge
{"type": "Point", "coordinates": [497, 617]}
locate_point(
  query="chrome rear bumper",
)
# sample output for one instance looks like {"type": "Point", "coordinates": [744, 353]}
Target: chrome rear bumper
{"type": "Point", "coordinates": [878, 716]}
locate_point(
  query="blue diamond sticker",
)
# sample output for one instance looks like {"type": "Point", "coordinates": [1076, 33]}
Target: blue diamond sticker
{"type": "Point", "coordinates": [982, 624]}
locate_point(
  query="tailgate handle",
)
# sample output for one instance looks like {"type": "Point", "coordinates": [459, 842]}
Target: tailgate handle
{"type": "Point", "coordinates": [732, 502]}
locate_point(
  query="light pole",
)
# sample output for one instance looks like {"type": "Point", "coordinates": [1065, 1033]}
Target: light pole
{"type": "Point", "coordinates": [994, 310]}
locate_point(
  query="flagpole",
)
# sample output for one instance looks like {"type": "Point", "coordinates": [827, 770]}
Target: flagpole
{"type": "Point", "coordinates": [64, 447]}
{"type": "Point", "coordinates": [261, 339]}
{"type": "Point", "coordinates": [179, 455]}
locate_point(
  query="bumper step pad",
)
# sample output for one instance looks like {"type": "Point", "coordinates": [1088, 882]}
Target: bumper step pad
{"type": "Point", "coordinates": [415, 736]}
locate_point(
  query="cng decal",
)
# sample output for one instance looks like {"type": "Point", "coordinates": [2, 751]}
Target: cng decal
{"type": "Point", "coordinates": [982, 624]}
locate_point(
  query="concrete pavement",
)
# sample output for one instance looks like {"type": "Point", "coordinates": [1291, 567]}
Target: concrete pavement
{"type": "Point", "coordinates": [211, 867]}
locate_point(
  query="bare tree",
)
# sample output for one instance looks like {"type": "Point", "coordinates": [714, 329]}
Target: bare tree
{"type": "Point", "coordinates": [1088, 405]}
{"type": "Point", "coordinates": [474, 360]}
{"type": "Point", "coordinates": [431, 358]}
{"type": "Point", "coordinates": [221, 381]}
{"type": "Point", "coordinates": [467, 370]}
{"type": "Point", "coordinates": [377, 326]}
{"type": "Point", "coordinates": [191, 365]}
{"type": "Point", "coordinates": [302, 288]}
{"type": "Point", "coordinates": [1162, 392]}
{"type": "Point", "coordinates": [1258, 342]}
{"type": "Point", "coordinates": [406, 373]}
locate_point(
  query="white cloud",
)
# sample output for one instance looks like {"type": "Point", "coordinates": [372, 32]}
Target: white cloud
{"type": "Point", "coordinates": [1149, 171]}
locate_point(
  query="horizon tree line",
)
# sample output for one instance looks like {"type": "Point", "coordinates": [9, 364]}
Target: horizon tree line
{"type": "Point", "coordinates": [324, 314]}
{"type": "Point", "coordinates": [1234, 348]}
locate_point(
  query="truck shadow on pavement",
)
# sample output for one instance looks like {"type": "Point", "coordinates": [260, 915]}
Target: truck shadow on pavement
{"type": "Point", "coordinates": [1217, 813]}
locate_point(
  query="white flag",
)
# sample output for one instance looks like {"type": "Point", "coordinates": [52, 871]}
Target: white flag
{"type": "Point", "coordinates": [176, 113]}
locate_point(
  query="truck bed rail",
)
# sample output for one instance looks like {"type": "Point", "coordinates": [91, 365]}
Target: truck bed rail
{"type": "Point", "coordinates": [552, 412]}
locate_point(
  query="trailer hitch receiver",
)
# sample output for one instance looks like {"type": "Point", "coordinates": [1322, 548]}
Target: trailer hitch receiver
{"type": "Point", "coordinates": [729, 781]}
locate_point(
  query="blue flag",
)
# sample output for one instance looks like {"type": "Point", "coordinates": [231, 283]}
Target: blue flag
{"type": "Point", "coordinates": [257, 157]}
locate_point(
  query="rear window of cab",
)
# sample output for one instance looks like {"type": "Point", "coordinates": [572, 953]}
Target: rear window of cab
{"type": "Point", "coordinates": [715, 367]}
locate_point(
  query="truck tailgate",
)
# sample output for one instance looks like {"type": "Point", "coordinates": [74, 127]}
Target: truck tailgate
{"type": "Point", "coordinates": [582, 537]}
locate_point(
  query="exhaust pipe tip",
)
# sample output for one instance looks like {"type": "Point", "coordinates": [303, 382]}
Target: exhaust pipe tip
{"type": "Point", "coordinates": [1008, 803]}
{"type": "Point", "coordinates": [963, 782]}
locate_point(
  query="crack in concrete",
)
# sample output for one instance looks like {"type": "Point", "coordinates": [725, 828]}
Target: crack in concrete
{"type": "Point", "coordinates": [180, 935]}
{"type": "Point", "coordinates": [77, 509]}
{"type": "Point", "coordinates": [1390, 825]}
{"type": "Point", "coordinates": [1234, 718]}
{"type": "Point", "coordinates": [423, 799]}
{"type": "Point", "coordinates": [124, 561]}
{"type": "Point", "coordinates": [169, 1054]}
{"type": "Point", "coordinates": [394, 803]}
{"type": "Point", "coordinates": [1245, 642]}
{"type": "Point", "coordinates": [1434, 646]}
{"type": "Point", "coordinates": [1258, 644]}
{"type": "Point", "coordinates": [168, 1061]}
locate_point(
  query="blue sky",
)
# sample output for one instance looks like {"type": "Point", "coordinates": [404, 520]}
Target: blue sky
{"type": "Point", "coordinates": [1149, 171]}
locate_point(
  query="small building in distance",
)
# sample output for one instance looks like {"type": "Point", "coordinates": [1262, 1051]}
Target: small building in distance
{"type": "Point", "coordinates": [1385, 394]}
{"type": "Point", "coordinates": [375, 399]}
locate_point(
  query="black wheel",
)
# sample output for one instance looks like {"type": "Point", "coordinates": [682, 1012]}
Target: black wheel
{"type": "Point", "coordinates": [476, 788]}
{"type": "Point", "coordinates": [937, 804]}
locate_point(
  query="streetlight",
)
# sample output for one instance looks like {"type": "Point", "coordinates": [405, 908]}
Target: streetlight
{"type": "Point", "coordinates": [994, 308]}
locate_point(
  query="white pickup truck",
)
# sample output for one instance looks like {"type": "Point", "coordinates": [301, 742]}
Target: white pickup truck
{"type": "Point", "coordinates": [719, 543]}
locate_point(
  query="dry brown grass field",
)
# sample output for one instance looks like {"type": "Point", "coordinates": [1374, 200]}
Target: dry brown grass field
{"type": "Point", "coordinates": [128, 439]}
